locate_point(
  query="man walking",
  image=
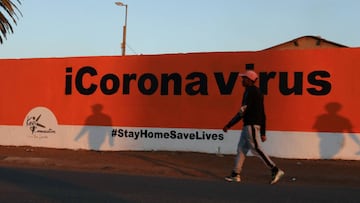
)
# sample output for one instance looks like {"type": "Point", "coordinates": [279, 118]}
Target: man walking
{"type": "Point", "coordinates": [253, 114]}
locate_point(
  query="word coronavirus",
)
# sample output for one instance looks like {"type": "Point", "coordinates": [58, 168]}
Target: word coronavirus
{"type": "Point", "coordinates": [87, 81]}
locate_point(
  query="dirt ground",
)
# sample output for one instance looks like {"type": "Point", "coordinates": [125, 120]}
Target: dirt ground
{"type": "Point", "coordinates": [183, 165]}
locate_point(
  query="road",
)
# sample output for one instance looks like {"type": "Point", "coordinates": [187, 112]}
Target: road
{"type": "Point", "coordinates": [19, 184]}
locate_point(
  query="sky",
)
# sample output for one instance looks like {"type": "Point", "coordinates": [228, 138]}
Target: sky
{"type": "Point", "coordinates": [67, 28]}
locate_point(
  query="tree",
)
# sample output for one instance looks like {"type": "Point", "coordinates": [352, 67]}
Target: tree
{"type": "Point", "coordinates": [10, 9]}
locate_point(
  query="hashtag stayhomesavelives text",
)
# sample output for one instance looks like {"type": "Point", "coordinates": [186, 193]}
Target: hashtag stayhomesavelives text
{"type": "Point", "coordinates": [171, 134]}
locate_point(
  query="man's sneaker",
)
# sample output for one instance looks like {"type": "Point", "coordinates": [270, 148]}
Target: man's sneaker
{"type": "Point", "coordinates": [276, 176]}
{"type": "Point", "coordinates": [233, 177]}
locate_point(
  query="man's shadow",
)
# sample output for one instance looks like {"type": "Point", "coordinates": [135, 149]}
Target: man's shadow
{"type": "Point", "coordinates": [98, 126]}
{"type": "Point", "coordinates": [329, 123]}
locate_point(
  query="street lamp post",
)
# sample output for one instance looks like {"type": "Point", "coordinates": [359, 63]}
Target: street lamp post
{"type": "Point", "coordinates": [123, 44]}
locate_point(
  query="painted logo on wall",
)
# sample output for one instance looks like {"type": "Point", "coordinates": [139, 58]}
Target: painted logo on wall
{"type": "Point", "coordinates": [40, 122]}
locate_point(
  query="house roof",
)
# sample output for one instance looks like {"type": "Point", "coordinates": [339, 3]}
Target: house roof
{"type": "Point", "coordinates": [295, 43]}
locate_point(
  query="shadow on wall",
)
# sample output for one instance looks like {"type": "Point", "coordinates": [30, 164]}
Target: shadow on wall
{"type": "Point", "coordinates": [98, 125]}
{"type": "Point", "coordinates": [331, 124]}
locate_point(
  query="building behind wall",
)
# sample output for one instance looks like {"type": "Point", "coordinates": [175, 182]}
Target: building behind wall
{"type": "Point", "coordinates": [307, 42]}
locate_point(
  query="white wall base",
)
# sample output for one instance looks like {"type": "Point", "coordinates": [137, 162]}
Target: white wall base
{"type": "Point", "coordinates": [293, 145]}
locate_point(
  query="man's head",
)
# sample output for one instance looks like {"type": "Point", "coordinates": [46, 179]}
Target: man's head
{"type": "Point", "coordinates": [248, 78]}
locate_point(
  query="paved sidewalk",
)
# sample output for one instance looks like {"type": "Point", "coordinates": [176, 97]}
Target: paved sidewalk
{"type": "Point", "coordinates": [183, 165]}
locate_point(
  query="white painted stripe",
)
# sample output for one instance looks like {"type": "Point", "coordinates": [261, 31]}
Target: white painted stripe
{"type": "Point", "coordinates": [294, 145]}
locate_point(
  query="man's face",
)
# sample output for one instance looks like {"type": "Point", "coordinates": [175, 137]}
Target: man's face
{"type": "Point", "coordinates": [246, 82]}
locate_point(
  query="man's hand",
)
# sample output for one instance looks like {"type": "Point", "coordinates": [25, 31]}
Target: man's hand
{"type": "Point", "coordinates": [225, 129]}
{"type": "Point", "coordinates": [263, 138]}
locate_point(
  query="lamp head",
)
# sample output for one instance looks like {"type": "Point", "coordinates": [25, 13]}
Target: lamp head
{"type": "Point", "coordinates": [120, 4]}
